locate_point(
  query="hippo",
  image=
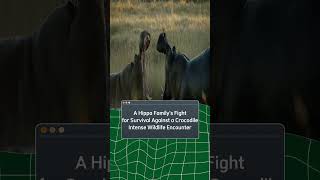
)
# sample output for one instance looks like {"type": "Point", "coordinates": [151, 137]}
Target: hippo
{"type": "Point", "coordinates": [185, 79]}
{"type": "Point", "coordinates": [129, 84]}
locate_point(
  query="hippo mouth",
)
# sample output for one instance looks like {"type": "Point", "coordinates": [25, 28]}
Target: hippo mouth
{"type": "Point", "coordinates": [162, 43]}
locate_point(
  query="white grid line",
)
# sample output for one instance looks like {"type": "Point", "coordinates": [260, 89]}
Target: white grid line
{"type": "Point", "coordinates": [151, 163]}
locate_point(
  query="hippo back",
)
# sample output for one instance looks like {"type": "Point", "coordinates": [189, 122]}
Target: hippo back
{"type": "Point", "coordinates": [195, 84]}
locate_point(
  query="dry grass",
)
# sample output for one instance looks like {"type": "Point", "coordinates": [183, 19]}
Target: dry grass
{"type": "Point", "coordinates": [187, 26]}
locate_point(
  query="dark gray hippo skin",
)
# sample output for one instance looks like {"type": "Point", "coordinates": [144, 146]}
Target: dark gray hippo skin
{"type": "Point", "coordinates": [185, 79]}
{"type": "Point", "coordinates": [57, 74]}
{"type": "Point", "coordinates": [266, 66]}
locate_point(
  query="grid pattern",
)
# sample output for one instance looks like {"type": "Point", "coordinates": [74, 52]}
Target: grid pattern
{"type": "Point", "coordinates": [14, 166]}
{"type": "Point", "coordinates": [302, 158]}
{"type": "Point", "coordinates": [160, 159]}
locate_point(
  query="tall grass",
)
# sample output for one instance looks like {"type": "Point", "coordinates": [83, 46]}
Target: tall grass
{"type": "Point", "coordinates": [187, 26]}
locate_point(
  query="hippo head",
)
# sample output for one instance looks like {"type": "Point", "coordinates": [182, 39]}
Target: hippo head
{"type": "Point", "coordinates": [145, 39]}
{"type": "Point", "coordinates": [162, 44]}
{"type": "Point", "coordinates": [174, 68]}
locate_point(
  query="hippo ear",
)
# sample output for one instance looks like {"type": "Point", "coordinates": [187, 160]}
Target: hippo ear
{"type": "Point", "coordinates": [163, 35]}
